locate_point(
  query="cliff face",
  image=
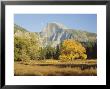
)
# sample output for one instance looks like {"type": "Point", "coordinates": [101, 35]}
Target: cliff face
{"type": "Point", "coordinates": [54, 33]}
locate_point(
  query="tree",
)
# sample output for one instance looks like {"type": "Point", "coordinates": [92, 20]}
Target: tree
{"type": "Point", "coordinates": [47, 52]}
{"type": "Point", "coordinates": [42, 55]}
{"type": "Point", "coordinates": [50, 52]}
{"type": "Point", "coordinates": [71, 50]}
{"type": "Point", "coordinates": [20, 48]}
{"type": "Point", "coordinates": [26, 46]}
{"type": "Point", "coordinates": [91, 49]}
{"type": "Point", "coordinates": [57, 52]}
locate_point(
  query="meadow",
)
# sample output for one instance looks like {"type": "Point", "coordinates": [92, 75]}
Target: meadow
{"type": "Point", "coordinates": [56, 68]}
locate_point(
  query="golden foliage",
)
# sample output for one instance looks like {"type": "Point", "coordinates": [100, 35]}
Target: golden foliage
{"type": "Point", "coordinates": [71, 49]}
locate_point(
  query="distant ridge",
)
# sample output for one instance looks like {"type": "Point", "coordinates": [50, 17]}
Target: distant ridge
{"type": "Point", "coordinates": [17, 27]}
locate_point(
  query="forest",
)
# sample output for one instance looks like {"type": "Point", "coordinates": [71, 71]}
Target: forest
{"type": "Point", "coordinates": [28, 49]}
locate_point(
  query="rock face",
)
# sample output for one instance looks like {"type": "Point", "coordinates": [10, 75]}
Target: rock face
{"type": "Point", "coordinates": [54, 33]}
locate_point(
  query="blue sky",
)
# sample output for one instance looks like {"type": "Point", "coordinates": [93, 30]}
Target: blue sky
{"type": "Point", "coordinates": [36, 22]}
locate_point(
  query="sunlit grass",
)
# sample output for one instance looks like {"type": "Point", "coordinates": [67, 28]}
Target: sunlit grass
{"type": "Point", "coordinates": [51, 61]}
{"type": "Point", "coordinates": [30, 69]}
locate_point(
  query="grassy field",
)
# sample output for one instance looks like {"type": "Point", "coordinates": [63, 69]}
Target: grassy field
{"type": "Point", "coordinates": [56, 68]}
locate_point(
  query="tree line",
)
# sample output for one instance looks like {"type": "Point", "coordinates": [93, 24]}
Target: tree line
{"type": "Point", "coordinates": [27, 47]}
{"type": "Point", "coordinates": [91, 49]}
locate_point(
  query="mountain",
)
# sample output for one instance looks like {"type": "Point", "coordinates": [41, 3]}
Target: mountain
{"type": "Point", "coordinates": [22, 33]}
{"type": "Point", "coordinates": [19, 28]}
{"type": "Point", "coordinates": [54, 33]}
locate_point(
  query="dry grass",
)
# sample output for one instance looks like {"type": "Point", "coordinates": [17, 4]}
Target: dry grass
{"type": "Point", "coordinates": [28, 69]}
{"type": "Point", "coordinates": [51, 61]}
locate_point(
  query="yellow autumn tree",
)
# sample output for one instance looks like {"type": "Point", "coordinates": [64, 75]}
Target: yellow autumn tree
{"type": "Point", "coordinates": [71, 49]}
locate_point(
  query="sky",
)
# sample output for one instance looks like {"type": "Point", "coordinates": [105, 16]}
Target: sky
{"type": "Point", "coordinates": [36, 22]}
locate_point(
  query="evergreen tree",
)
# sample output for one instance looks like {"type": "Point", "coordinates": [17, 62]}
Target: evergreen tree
{"type": "Point", "coordinates": [57, 54]}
